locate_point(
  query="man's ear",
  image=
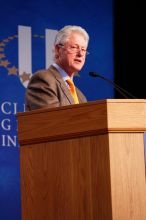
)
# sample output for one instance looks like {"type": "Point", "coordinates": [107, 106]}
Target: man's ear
{"type": "Point", "coordinates": [57, 48]}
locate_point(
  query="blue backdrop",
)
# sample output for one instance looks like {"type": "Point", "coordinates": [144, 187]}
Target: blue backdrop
{"type": "Point", "coordinates": [96, 17]}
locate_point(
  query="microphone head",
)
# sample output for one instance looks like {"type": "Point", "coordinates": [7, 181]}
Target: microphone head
{"type": "Point", "coordinates": [93, 74]}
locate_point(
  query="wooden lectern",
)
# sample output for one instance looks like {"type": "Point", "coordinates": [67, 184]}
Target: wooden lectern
{"type": "Point", "coordinates": [84, 162]}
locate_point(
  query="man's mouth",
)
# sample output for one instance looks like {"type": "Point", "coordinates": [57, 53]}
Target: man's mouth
{"type": "Point", "coordinates": [78, 60]}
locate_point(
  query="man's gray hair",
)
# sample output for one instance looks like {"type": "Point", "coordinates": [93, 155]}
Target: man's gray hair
{"type": "Point", "coordinates": [64, 34]}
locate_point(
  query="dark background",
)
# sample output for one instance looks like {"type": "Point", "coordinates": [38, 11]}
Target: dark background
{"type": "Point", "coordinates": [129, 52]}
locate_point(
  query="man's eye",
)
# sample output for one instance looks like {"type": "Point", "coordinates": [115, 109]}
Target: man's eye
{"type": "Point", "coordinates": [73, 47]}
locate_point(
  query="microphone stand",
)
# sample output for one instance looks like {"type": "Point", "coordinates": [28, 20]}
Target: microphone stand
{"type": "Point", "coordinates": [122, 91]}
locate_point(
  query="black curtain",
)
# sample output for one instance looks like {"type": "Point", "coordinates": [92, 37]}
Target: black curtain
{"type": "Point", "coordinates": [129, 43]}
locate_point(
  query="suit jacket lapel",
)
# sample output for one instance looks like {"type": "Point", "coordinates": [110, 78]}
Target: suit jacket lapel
{"type": "Point", "coordinates": [62, 84]}
{"type": "Point", "coordinates": [78, 94]}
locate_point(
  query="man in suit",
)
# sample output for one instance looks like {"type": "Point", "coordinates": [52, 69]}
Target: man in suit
{"type": "Point", "coordinates": [53, 87]}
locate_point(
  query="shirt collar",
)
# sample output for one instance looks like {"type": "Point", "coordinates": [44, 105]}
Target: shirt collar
{"type": "Point", "coordinates": [64, 75]}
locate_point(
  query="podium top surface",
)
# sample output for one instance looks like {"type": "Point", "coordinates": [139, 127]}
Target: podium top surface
{"type": "Point", "coordinates": [99, 117]}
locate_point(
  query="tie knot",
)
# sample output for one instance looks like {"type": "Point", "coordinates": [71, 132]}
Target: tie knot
{"type": "Point", "coordinates": [70, 82]}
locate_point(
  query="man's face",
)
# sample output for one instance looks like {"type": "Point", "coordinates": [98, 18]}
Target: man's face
{"type": "Point", "coordinates": [71, 55]}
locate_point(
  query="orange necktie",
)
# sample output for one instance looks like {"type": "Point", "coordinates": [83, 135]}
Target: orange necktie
{"type": "Point", "coordinates": [73, 90]}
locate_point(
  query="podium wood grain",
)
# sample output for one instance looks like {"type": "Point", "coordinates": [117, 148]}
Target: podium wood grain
{"type": "Point", "coordinates": [95, 171]}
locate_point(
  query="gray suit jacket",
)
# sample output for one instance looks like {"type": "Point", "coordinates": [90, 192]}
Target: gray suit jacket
{"type": "Point", "coordinates": [47, 89]}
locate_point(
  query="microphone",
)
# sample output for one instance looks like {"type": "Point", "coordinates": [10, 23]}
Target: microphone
{"type": "Point", "coordinates": [122, 91]}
